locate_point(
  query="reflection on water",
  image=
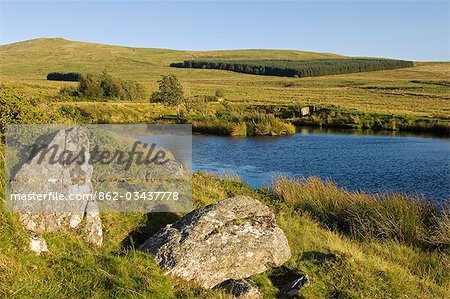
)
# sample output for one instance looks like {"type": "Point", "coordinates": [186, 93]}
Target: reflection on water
{"type": "Point", "coordinates": [353, 159]}
{"type": "Point", "coordinates": [317, 130]}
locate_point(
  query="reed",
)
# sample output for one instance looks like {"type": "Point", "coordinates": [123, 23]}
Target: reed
{"type": "Point", "coordinates": [268, 124]}
{"type": "Point", "coordinates": [253, 124]}
{"type": "Point", "coordinates": [220, 127]}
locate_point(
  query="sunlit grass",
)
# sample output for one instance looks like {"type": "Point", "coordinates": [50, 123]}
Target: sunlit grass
{"type": "Point", "coordinates": [24, 67]}
{"type": "Point", "coordinates": [390, 216]}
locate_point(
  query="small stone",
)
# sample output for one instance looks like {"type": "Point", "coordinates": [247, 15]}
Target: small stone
{"type": "Point", "coordinates": [38, 244]}
{"type": "Point", "coordinates": [93, 225]}
{"type": "Point", "coordinates": [292, 289]}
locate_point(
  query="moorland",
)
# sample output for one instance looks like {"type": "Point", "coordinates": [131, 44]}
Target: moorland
{"type": "Point", "coordinates": [351, 244]}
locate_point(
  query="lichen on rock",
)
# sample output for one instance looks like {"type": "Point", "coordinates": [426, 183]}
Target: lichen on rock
{"type": "Point", "coordinates": [232, 239]}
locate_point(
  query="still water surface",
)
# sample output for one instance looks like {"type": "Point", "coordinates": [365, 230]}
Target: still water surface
{"type": "Point", "coordinates": [406, 163]}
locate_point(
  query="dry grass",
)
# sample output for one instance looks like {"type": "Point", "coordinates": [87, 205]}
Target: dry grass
{"type": "Point", "coordinates": [23, 66]}
{"type": "Point", "coordinates": [339, 266]}
{"type": "Point", "coordinates": [408, 220]}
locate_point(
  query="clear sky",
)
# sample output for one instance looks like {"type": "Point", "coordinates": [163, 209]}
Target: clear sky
{"type": "Point", "coordinates": [405, 29]}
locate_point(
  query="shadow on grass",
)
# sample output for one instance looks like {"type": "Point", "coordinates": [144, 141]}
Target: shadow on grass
{"type": "Point", "coordinates": [318, 257]}
{"type": "Point", "coordinates": [154, 222]}
{"type": "Point", "coordinates": [282, 277]}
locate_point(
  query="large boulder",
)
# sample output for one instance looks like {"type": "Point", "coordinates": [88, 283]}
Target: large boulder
{"type": "Point", "coordinates": [74, 178]}
{"type": "Point", "coordinates": [232, 239]}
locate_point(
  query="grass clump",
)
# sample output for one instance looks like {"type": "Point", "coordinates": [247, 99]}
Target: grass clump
{"type": "Point", "coordinates": [268, 124]}
{"type": "Point", "coordinates": [232, 120]}
{"type": "Point", "coordinates": [256, 125]}
{"type": "Point", "coordinates": [394, 217]}
{"type": "Point", "coordinates": [18, 109]}
{"type": "Point", "coordinates": [220, 127]}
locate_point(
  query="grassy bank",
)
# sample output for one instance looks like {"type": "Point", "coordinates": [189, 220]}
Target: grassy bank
{"type": "Point", "coordinates": [111, 112]}
{"type": "Point", "coordinates": [395, 217]}
{"type": "Point", "coordinates": [339, 118]}
{"type": "Point", "coordinates": [229, 119]}
{"type": "Point", "coordinates": [336, 117]}
{"type": "Point", "coordinates": [250, 120]}
{"type": "Point", "coordinates": [339, 264]}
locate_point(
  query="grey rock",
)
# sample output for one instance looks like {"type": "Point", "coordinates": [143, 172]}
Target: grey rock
{"type": "Point", "coordinates": [93, 227]}
{"type": "Point", "coordinates": [304, 111]}
{"type": "Point", "coordinates": [37, 244]}
{"type": "Point", "coordinates": [232, 239]}
{"type": "Point", "coordinates": [73, 178]}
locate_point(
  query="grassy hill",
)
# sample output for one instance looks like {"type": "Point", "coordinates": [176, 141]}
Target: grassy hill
{"type": "Point", "coordinates": [417, 90]}
{"type": "Point", "coordinates": [40, 56]}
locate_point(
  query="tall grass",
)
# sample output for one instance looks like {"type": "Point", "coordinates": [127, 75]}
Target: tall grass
{"type": "Point", "coordinates": [267, 124]}
{"type": "Point", "coordinates": [220, 127]}
{"type": "Point", "coordinates": [409, 220]}
{"type": "Point", "coordinates": [252, 124]}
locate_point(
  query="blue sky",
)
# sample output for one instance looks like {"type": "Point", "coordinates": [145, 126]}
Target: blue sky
{"type": "Point", "coordinates": [405, 29]}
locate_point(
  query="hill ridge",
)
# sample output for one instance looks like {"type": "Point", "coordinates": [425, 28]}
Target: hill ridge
{"type": "Point", "coordinates": [61, 39]}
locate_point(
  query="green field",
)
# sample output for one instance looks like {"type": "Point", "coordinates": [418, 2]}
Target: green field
{"type": "Point", "coordinates": [418, 90]}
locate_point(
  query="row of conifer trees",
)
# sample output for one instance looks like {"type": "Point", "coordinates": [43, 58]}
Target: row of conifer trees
{"type": "Point", "coordinates": [298, 68]}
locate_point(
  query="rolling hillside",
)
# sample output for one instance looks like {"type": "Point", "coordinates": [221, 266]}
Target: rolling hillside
{"type": "Point", "coordinates": [40, 56]}
{"type": "Point", "coordinates": [416, 90]}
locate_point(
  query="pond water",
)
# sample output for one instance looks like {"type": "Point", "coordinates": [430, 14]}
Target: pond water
{"type": "Point", "coordinates": [406, 163]}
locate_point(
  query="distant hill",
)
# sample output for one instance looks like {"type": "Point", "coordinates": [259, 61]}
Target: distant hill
{"type": "Point", "coordinates": [38, 57]}
{"type": "Point", "coordinates": [420, 90]}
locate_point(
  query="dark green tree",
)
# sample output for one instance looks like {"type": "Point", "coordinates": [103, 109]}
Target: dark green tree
{"type": "Point", "coordinates": [170, 92]}
{"type": "Point", "coordinates": [90, 86]}
{"type": "Point", "coordinates": [111, 87]}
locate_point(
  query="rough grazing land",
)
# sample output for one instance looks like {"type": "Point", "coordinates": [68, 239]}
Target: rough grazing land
{"type": "Point", "coordinates": [419, 90]}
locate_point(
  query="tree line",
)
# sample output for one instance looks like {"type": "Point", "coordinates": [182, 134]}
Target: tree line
{"type": "Point", "coordinates": [298, 68]}
{"type": "Point", "coordinates": [58, 76]}
{"type": "Point", "coordinates": [104, 86]}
